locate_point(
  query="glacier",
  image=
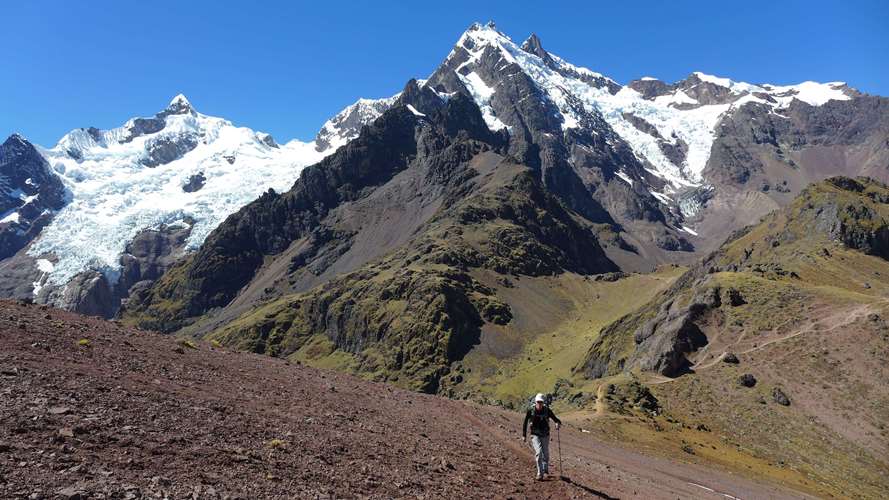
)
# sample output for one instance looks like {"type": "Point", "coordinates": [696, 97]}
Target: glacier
{"type": "Point", "coordinates": [114, 195]}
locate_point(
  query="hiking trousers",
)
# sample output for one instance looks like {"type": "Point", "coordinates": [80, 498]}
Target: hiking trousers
{"type": "Point", "coordinates": [541, 453]}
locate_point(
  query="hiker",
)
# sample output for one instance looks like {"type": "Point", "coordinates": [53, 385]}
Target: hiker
{"type": "Point", "coordinates": [539, 416]}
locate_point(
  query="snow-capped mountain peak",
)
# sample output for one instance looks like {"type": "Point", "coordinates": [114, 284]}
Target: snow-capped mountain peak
{"type": "Point", "coordinates": [179, 167]}
{"type": "Point", "coordinates": [654, 122]}
{"type": "Point", "coordinates": [179, 105]}
{"type": "Point", "coordinates": [346, 124]}
{"type": "Point", "coordinates": [605, 148]}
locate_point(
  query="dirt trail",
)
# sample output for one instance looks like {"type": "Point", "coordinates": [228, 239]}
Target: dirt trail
{"type": "Point", "coordinates": [601, 406]}
{"type": "Point", "coordinates": [89, 409]}
{"type": "Point", "coordinates": [629, 474]}
{"type": "Point", "coordinates": [831, 321]}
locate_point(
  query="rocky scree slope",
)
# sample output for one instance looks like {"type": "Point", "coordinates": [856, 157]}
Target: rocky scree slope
{"type": "Point", "coordinates": [90, 409]}
{"type": "Point", "coordinates": [93, 409]}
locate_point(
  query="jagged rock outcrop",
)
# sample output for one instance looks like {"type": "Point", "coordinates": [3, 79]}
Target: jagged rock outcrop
{"type": "Point", "coordinates": [30, 193]}
{"type": "Point", "coordinates": [163, 150]}
{"type": "Point", "coordinates": [195, 183]}
{"type": "Point", "coordinates": [88, 293]}
{"type": "Point", "coordinates": [677, 334]}
{"type": "Point", "coordinates": [857, 222]}
{"type": "Point", "coordinates": [151, 253]}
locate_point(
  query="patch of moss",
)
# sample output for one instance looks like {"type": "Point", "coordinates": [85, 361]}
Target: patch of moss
{"type": "Point", "coordinates": [187, 343]}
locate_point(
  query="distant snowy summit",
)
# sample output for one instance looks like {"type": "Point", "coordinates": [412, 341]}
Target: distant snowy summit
{"type": "Point", "coordinates": [646, 113]}
{"type": "Point", "coordinates": [670, 127]}
{"type": "Point", "coordinates": [179, 167]}
{"type": "Point", "coordinates": [648, 154]}
{"type": "Point", "coordinates": [76, 209]}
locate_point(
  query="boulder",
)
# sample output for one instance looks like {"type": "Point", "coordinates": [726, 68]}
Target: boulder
{"type": "Point", "coordinates": [747, 380]}
{"type": "Point", "coordinates": [72, 493]}
{"type": "Point", "coordinates": [730, 358]}
{"type": "Point", "coordinates": [779, 397]}
{"type": "Point", "coordinates": [733, 297]}
{"type": "Point", "coordinates": [195, 183]}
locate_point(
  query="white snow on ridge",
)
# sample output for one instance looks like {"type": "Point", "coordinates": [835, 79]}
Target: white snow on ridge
{"type": "Point", "coordinates": [12, 216]}
{"type": "Point", "coordinates": [814, 93]}
{"type": "Point", "coordinates": [45, 266]}
{"type": "Point", "coordinates": [482, 93]}
{"type": "Point", "coordinates": [722, 82]}
{"type": "Point", "coordinates": [678, 97]}
{"type": "Point", "coordinates": [695, 125]}
{"type": "Point", "coordinates": [336, 131]}
{"type": "Point", "coordinates": [735, 87]}
{"type": "Point", "coordinates": [115, 196]}
{"type": "Point", "coordinates": [578, 69]}
{"type": "Point", "coordinates": [625, 177]}
{"type": "Point", "coordinates": [414, 111]}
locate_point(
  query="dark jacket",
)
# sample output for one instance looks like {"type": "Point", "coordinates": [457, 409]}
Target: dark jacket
{"type": "Point", "coordinates": [539, 421]}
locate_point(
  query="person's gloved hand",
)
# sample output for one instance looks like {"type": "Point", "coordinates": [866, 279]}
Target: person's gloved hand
{"type": "Point", "coordinates": [558, 426]}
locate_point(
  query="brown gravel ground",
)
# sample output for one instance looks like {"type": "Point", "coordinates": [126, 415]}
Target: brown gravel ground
{"type": "Point", "coordinates": [91, 409]}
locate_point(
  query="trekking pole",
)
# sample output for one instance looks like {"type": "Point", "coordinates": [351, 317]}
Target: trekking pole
{"type": "Point", "coordinates": [559, 441]}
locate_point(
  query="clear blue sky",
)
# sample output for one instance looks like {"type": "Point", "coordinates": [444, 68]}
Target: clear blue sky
{"type": "Point", "coordinates": [285, 67]}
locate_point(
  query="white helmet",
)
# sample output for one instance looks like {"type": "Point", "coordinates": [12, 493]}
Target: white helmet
{"type": "Point", "coordinates": [539, 398]}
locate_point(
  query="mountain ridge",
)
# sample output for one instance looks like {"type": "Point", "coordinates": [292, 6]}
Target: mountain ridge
{"type": "Point", "coordinates": [608, 151]}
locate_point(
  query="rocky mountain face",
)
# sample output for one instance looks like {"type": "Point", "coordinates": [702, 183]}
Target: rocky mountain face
{"type": "Point", "coordinates": [672, 168]}
{"type": "Point", "coordinates": [30, 193]}
{"type": "Point", "coordinates": [574, 150]}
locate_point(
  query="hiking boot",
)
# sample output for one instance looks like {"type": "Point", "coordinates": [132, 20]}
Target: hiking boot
{"type": "Point", "coordinates": [540, 477]}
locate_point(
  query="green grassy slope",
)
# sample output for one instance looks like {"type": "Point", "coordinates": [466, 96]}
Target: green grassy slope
{"type": "Point", "coordinates": [411, 316]}
{"type": "Point", "coordinates": [801, 299]}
